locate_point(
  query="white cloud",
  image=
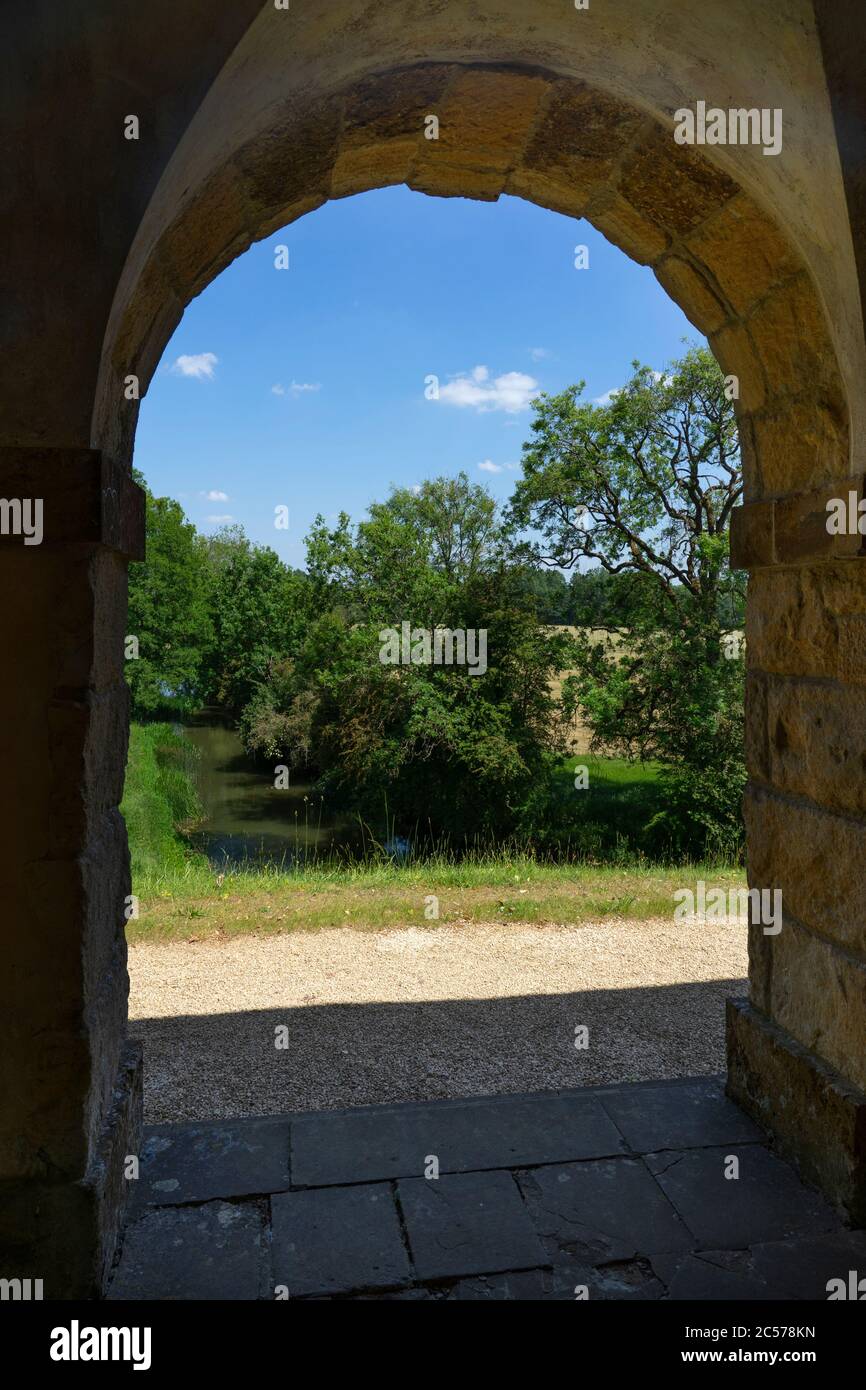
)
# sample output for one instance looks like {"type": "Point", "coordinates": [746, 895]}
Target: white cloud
{"type": "Point", "coordinates": [220, 520]}
{"type": "Point", "coordinates": [215, 496]}
{"type": "Point", "coordinates": [538, 353]}
{"type": "Point", "coordinates": [510, 392]}
{"type": "Point", "coordinates": [199, 365]}
{"type": "Point", "coordinates": [488, 466]}
{"type": "Point", "coordinates": [296, 388]}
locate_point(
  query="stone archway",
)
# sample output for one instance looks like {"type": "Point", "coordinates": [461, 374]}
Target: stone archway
{"type": "Point", "coordinates": [729, 243]}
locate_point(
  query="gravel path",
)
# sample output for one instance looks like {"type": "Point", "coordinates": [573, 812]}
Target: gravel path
{"type": "Point", "coordinates": [382, 1016]}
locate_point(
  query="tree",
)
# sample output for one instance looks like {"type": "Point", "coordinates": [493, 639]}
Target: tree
{"type": "Point", "coordinates": [168, 613]}
{"type": "Point", "coordinates": [440, 749]}
{"type": "Point", "coordinates": [645, 486]}
{"type": "Point", "coordinates": [258, 609]}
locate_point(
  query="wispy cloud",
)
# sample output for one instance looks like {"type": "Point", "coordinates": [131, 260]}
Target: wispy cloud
{"type": "Point", "coordinates": [215, 496]}
{"type": "Point", "coordinates": [537, 354]}
{"type": "Point", "coordinates": [511, 392]}
{"type": "Point", "coordinates": [220, 520]}
{"type": "Point", "coordinates": [296, 388]}
{"type": "Point", "coordinates": [198, 365]}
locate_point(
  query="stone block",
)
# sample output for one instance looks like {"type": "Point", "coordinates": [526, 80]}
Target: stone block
{"type": "Point", "coordinates": [765, 1202]}
{"type": "Point", "coordinates": [818, 1119]}
{"type": "Point", "coordinates": [817, 859]}
{"type": "Point", "coordinates": [217, 1252]}
{"type": "Point", "coordinates": [691, 291]}
{"type": "Point", "coordinates": [603, 1210]}
{"type": "Point", "coordinates": [220, 1158]}
{"type": "Point", "coordinates": [744, 251]}
{"type": "Point", "coordinates": [468, 1223]}
{"type": "Point", "coordinates": [394, 1141]}
{"type": "Point", "coordinates": [338, 1240]}
{"type": "Point", "coordinates": [674, 186]}
{"type": "Point", "coordinates": [678, 1116]}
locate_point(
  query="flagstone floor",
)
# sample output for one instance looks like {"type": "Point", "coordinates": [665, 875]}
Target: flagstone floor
{"type": "Point", "coordinates": [617, 1192]}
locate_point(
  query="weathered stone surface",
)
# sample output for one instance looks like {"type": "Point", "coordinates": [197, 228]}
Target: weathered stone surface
{"type": "Point", "coordinates": [67, 1232]}
{"type": "Point", "coordinates": [210, 231]}
{"type": "Point", "coordinates": [293, 162]}
{"type": "Point", "coordinates": [678, 1116]}
{"type": "Point", "coordinates": [744, 252]}
{"type": "Point", "coordinates": [800, 528]}
{"type": "Point", "coordinates": [580, 137]}
{"type": "Point", "coordinates": [688, 287]}
{"type": "Point", "coordinates": [752, 535]}
{"type": "Point", "coordinates": [818, 995]}
{"type": "Point", "coordinates": [468, 1223]}
{"type": "Point", "coordinates": [789, 330]}
{"type": "Point", "coordinates": [672, 185]}
{"type": "Point", "coordinates": [484, 122]}
{"type": "Point", "coordinates": [766, 1201]}
{"type": "Point", "coordinates": [816, 1117]}
{"type": "Point", "coordinates": [739, 356]}
{"type": "Point", "coordinates": [222, 1158]}
{"type": "Point", "coordinates": [383, 124]}
{"type": "Point", "coordinates": [603, 1210]}
{"type": "Point", "coordinates": [811, 741]}
{"type": "Point", "coordinates": [215, 1251]}
{"type": "Point", "coordinates": [808, 622]}
{"type": "Point", "coordinates": [627, 228]}
{"type": "Point", "coordinates": [800, 445]}
{"type": "Point", "coordinates": [817, 859]}
{"type": "Point", "coordinates": [394, 1141]}
{"type": "Point", "coordinates": [338, 1239]}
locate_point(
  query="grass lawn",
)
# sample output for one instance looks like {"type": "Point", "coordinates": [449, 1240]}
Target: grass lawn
{"type": "Point", "coordinates": [507, 890]}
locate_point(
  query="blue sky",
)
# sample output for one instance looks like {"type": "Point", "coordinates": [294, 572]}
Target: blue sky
{"type": "Point", "coordinates": [305, 387]}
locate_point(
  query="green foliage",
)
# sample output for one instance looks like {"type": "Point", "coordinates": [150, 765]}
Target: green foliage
{"type": "Point", "coordinates": [257, 610]}
{"type": "Point", "coordinates": [645, 486]}
{"type": "Point", "coordinates": [428, 747]}
{"type": "Point", "coordinates": [168, 612]}
{"type": "Point", "coordinates": [159, 798]}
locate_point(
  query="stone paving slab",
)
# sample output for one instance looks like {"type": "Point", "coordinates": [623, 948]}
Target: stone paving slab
{"type": "Point", "coordinates": [679, 1117]}
{"type": "Point", "coordinates": [797, 1269]}
{"type": "Point", "coordinates": [621, 1220]}
{"type": "Point", "coordinates": [222, 1158]}
{"type": "Point", "coordinates": [468, 1223]}
{"type": "Point", "coordinates": [337, 1240]}
{"type": "Point", "coordinates": [503, 1132]}
{"type": "Point", "coordinates": [766, 1202]}
{"type": "Point", "coordinates": [603, 1210]}
{"type": "Point", "coordinates": [214, 1251]}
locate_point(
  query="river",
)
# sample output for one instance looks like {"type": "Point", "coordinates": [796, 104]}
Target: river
{"type": "Point", "coordinates": [246, 817]}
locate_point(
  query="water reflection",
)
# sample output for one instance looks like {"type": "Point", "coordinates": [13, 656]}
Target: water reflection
{"type": "Point", "coordinates": [246, 817]}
